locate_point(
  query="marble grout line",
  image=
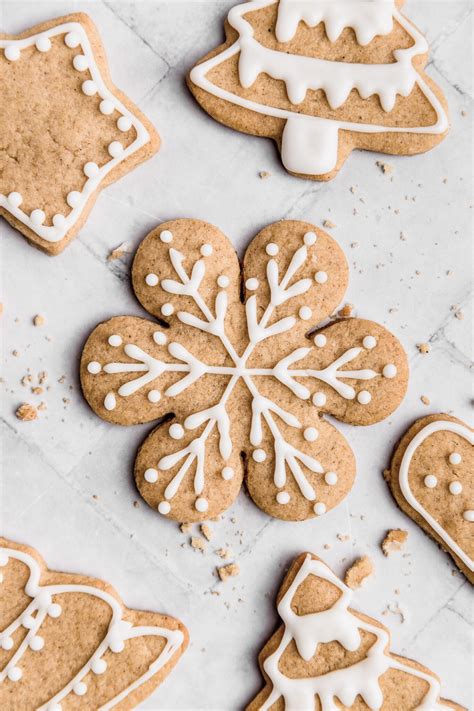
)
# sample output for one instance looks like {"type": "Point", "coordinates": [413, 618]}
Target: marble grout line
{"type": "Point", "coordinates": [438, 610]}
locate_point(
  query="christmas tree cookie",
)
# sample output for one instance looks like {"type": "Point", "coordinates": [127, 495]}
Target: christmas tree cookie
{"type": "Point", "coordinates": [322, 77]}
{"type": "Point", "coordinates": [241, 383]}
{"type": "Point", "coordinates": [432, 479]}
{"type": "Point", "coordinates": [327, 657]}
{"type": "Point", "coordinates": [68, 131]}
{"type": "Point", "coordinates": [68, 642]}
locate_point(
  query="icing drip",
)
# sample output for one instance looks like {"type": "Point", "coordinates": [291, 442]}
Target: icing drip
{"type": "Point", "coordinates": [118, 632]}
{"type": "Point", "coordinates": [340, 625]}
{"type": "Point", "coordinates": [420, 437]}
{"type": "Point", "coordinates": [74, 36]}
{"type": "Point", "coordinates": [310, 144]}
{"type": "Point", "coordinates": [265, 413]}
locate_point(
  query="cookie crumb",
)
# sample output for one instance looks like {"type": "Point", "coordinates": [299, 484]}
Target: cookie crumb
{"type": "Point", "coordinates": [359, 571]}
{"type": "Point", "coordinates": [198, 544]}
{"type": "Point", "coordinates": [39, 320]}
{"type": "Point", "coordinates": [26, 379]}
{"type": "Point", "coordinates": [263, 174]}
{"type": "Point", "coordinates": [228, 571]}
{"type": "Point", "coordinates": [119, 251]}
{"type": "Point", "coordinates": [327, 546]}
{"type": "Point", "coordinates": [329, 224]}
{"type": "Point", "coordinates": [423, 348]}
{"type": "Point", "coordinates": [206, 531]}
{"type": "Point", "coordinates": [425, 400]}
{"type": "Point", "coordinates": [343, 537]}
{"type": "Point", "coordinates": [136, 504]}
{"type": "Point", "coordinates": [224, 553]}
{"type": "Point", "coordinates": [42, 377]}
{"type": "Point", "coordinates": [394, 541]}
{"type": "Point", "coordinates": [16, 353]}
{"type": "Point", "coordinates": [346, 311]}
{"type": "Point", "coordinates": [27, 412]}
{"type": "Point", "coordinates": [37, 390]}
{"type": "Point", "coordinates": [384, 167]}
{"type": "Point", "coordinates": [395, 609]}
{"type": "Point", "coordinates": [42, 406]}
{"type": "Point", "coordinates": [185, 527]}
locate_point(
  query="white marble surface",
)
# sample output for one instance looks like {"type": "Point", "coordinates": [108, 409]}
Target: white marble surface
{"type": "Point", "coordinates": [67, 482]}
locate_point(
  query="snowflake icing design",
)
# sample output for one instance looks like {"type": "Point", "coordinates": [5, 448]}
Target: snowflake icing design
{"type": "Point", "coordinates": [242, 379]}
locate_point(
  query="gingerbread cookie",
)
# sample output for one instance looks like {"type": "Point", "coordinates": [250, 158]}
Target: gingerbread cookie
{"type": "Point", "coordinates": [326, 656]}
{"type": "Point", "coordinates": [322, 77]}
{"type": "Point", "coordinates": [68, 641]}
{"type": "Point", "coordinates": [68, 131]}
{"type": "Point", "coordinates": [432, 478]}
{"type": "Point", "coordinates": [242, 383]}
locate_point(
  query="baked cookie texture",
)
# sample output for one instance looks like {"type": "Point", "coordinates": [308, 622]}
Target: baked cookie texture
{"type": "Point", "coordinates": [68, 641]}
{"type": "Point", "coordinates": [327, 656]}
{"type": "Point", "coordinates": [68, 131]}
{"type": "Point", "coordinates": [237, 373]}
{"type": "Point", "coordinates": [432, 479]}
{"type": "Point", "coordinates": [321, 79]}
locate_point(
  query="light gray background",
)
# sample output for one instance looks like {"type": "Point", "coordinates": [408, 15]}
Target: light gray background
{"type": "Point", "coordinates": [54, 466]}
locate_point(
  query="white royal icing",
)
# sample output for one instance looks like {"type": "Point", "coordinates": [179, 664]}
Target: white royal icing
{"type": "Point", "coordinates": [118, 632]}
{"type": "Point", "coordinates": [418, 439]}
{"type": "Point", "coordinates": [75, 35]}
{"type": "Point", "coordinates": [337, 624]}
{"type": "Point", "coordinates": [264, 410]}
{"type": "Point", "coordinates": [310, 144]}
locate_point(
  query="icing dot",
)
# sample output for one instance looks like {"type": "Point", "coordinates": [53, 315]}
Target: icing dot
{"type": "Point", "coordinates": [319, 399]}
{"type": "Point", "coordinates": [36, 643]}
{"type": "Point", "coordinates": [321, 277]}
{"type": "Point", "coordinates": [305, 313]}
{"type": "Point", "coordinates": [124, 123]}
{"type": "Point", "coordinates": [223, 281]}
{"type": "Point", "coordinates": [159, 338]}
{"type": "Point", "coordinates": [154, 396]}
{"type": "Point", "coordinates": [389, 370]}
{"type": "Point", "coordinates": [272, 249]}
{"type": "Point", "coordinates": [59, 221]}
{"type": "Point", "coordinates": [369, 342]}
{"type": "Point", "coordinates": [54, 610]}
{"type": "Point", "coordinates": [311, 434]}
{"type": "Point", "coordinates": [115, 341]}
{"type": "Point", "coordinates": [43, 44]}
{"type": "Point", "coordinates": [115, 149]}
{"type": "Point", "coordinates": [6, 643]}
{"type": "Point", "coordinates": [330, 478]}
{"type": "Point", "coordinates": [320, 340]}
{"type": "Point", "coordinates": [89, 87]}
{"type": "Point", "coordinates": [12, 53]}
{"type": "Point", "coordinates": [80, 63]}
{"type": "Point", "coordinates": [468, 515]}
{"type": "Point", "coordinates": [91, 169]}
{"type": "Point", "coordinates": [106, 107]}
{"type": "Point", "coordinates": [151, 476]}
{"type": "Point", "coordinates": [110, 402]}
{"type": "Point", "coordinates": [206, 250]}
{"type": "Point", "coordinates": [227, 473]}
{"type": "Point", "coordinates": [455, 488]}
{"type": "Point", "coordinates": [455, 458]}
{"type": "Point", "coordinates": [164, 507]}
{"type": "Point", "coordinates": [72, 39]}
{"type": "Point", "coordinates": [43, 600]}
{"type": "Point", "coordinates": [38, 217]}
{"type": "Point", "coordinates": [99, 666]}
{"type": "Point", "coordinates": [252, 284]}
{"type": "Point", "coordinates": [117, 645]}
{"type": "Point", "coordinates": [319, 508]}
{"type": "Point", "coordinates": [176, 431]}
{"type": "Point", "coordinates": [364, 397]}
{"type": "Point", "coordinates": [167, 309]}
{"type": "Point", "coordinates": [166, 236]}
{"type": "Point", "coordinates": [201, 504]}
{"type": "Point", "coordinates": [15, 199]}
{"type": "Point", "coordinates": [430, 481]}
{"type": "Point", "coordinates": [309, 239]}
{"type": "Point", "coordinates": [28, 621]}
{"type": "Point", "coordinates": [283, 497]}
{"type": "Point", "coordinates": [73, 198]}
{"type": "Point", "coordinates": [151, 279]}
{"type": "Point", "coordinates": [80, 688]}
{"type": "Point", "coordinates": [14, 673]}
{"type": "Point", "coordinates": [259, 455]}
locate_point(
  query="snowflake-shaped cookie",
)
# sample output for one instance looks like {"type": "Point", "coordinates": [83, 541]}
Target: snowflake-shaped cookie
{"type": "Point", "coordinates": [68, 131]}
{"type": "Point", "coordinates": [236, 373]}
